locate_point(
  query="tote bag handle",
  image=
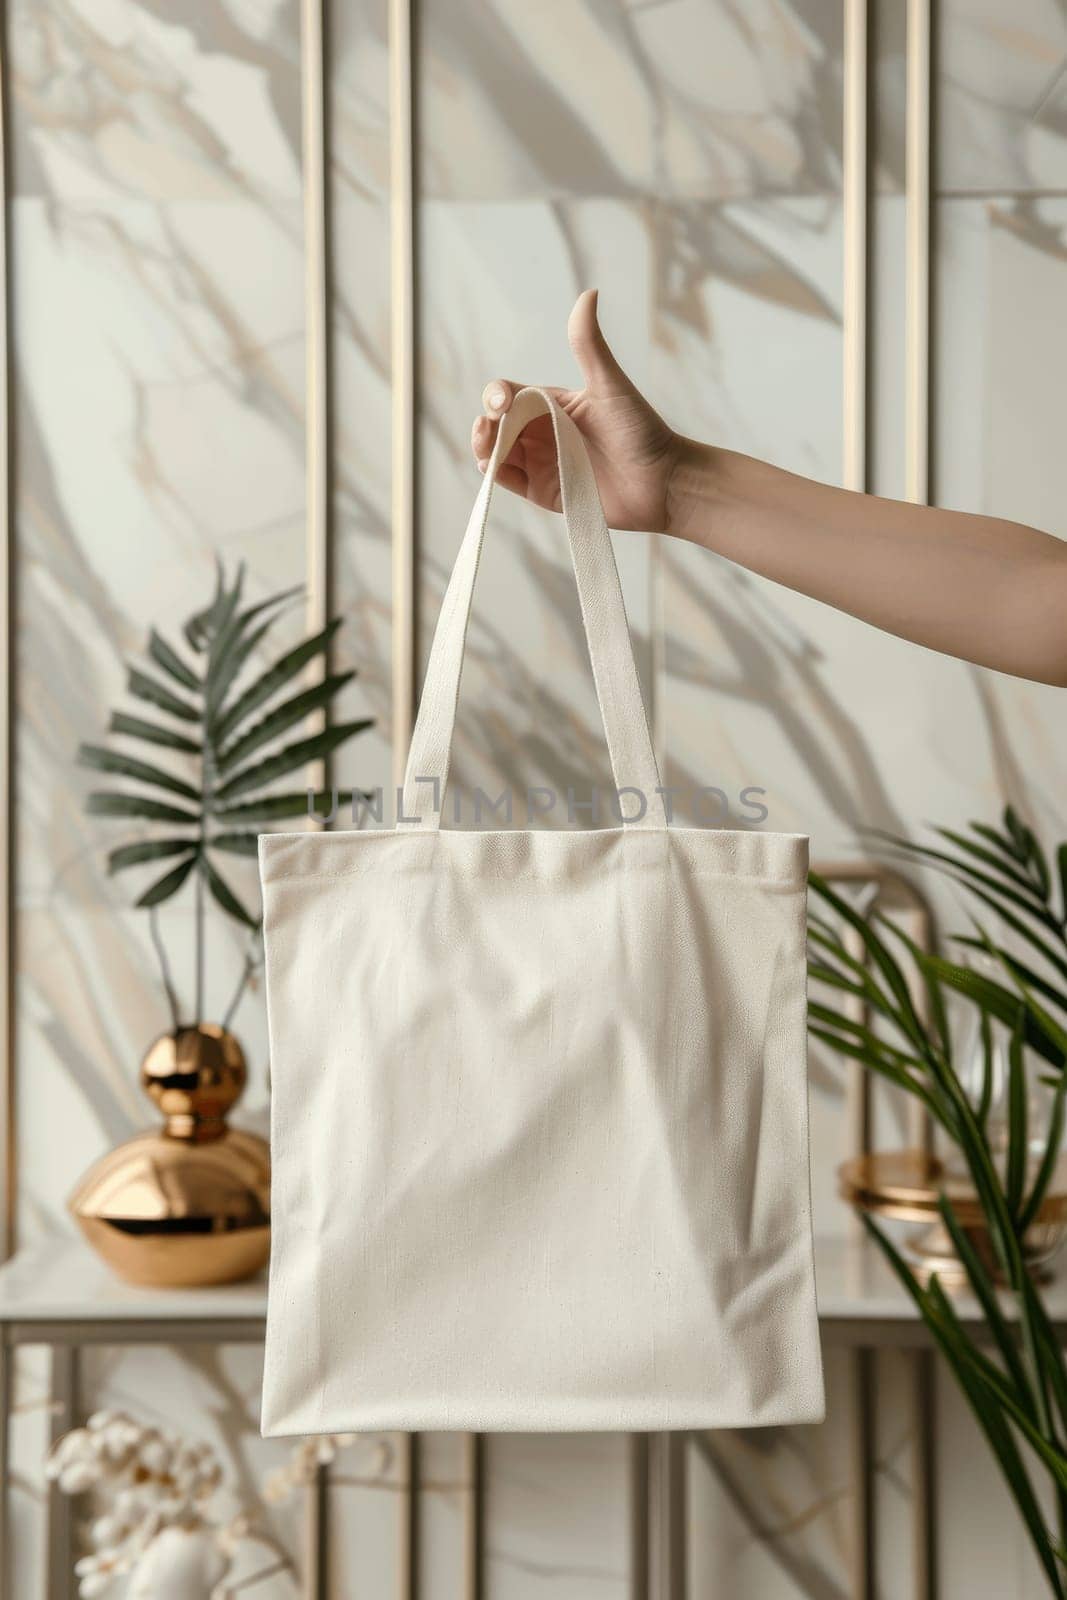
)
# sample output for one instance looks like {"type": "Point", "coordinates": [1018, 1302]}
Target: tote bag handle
{"type": "Point", "coordinates": [633, 763]}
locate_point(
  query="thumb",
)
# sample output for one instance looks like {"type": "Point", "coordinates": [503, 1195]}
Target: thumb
{"type": "Point", "coordinates": [599, 367]}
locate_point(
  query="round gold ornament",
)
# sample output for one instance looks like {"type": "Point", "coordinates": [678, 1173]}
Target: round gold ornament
{"type": "Point", "coordinates": [188, 1203]}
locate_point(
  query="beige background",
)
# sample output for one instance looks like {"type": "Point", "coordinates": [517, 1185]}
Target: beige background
{"type": "Point", "coordinates": [686, 157]}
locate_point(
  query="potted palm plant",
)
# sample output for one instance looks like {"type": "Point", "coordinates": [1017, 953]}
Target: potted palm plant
{"type": "Point", "coordinates": [204, 760]}
{"type": "Point", "coordinates": [1015, 1381]}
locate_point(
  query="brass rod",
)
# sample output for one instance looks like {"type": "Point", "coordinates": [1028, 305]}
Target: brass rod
{"type": "Point", "coordinates": [8, 1153]}
{"type": "Point", "coordinates": [917, 292]}
{"type": "Point", "coordinates": [856, 246]}
{"type": "Point", "coordinates": [316, 345]}
{"type": "Point", "coordinates": [402, 224]}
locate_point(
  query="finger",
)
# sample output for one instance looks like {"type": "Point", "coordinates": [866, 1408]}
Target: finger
{"type": "Point", "coordinates": [599, 367]}
{"type": "Point", "coordinates": [483, 438]}
{"type": "Point", "coordinates": [513, 478]}
{"type": "Point", "coordinates": [498, 395]}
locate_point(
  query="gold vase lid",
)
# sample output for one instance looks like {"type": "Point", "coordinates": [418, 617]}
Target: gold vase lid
{"type": "Point", "coordinates": [195, 1076]}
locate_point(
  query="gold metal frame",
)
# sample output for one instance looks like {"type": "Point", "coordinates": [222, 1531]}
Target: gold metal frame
{"type": "Point", "coordinates": [896, 891]}
{"type": "Point", "coordinates": [8, 1167]}
{"type": "Point", "coordinates": [316, 313]}
{"type": "Point", "coordinates": [402, 229]}
{"type": "Point", "coordinates": [856, 236]}
{"type": "Point", "coordinates": [917, 205]}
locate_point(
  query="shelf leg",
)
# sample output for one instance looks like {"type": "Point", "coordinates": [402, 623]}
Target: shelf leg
{"type": "Point", "coordinates": [316, 1535]}
{"type": "Point", "coordinates": [64, 1416]}
{"type": "Point", "coordinates": [639, 1516]}
{"type": "Point", "coordinates": [474, 1518]}
{"type": "Point", "coordinates": [924, 1487]}
{"type": "Point", "coordinates": [862, 1445]}
{"type": "Point", "coordinates": [668, 1545]}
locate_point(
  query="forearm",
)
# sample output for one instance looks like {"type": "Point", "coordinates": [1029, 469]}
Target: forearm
{"type": "Point", "coordinates": [980, 588]}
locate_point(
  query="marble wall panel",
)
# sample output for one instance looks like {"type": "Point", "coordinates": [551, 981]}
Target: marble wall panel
{"type": "Point", "coordinates": [686, 158]}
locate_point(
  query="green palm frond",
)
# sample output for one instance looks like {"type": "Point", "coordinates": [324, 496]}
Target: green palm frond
{"type": "Point", "coordinates": [210, 714]}
{"type": "Point", "coordinates": [1018, 1392]}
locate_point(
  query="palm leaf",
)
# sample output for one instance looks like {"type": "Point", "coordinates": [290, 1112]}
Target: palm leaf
{"type": "Point", "coordinates": [1050, 1156]}
{"type": "Point", "coordinates": [998, 840]}
{"type": "Point", "coordinates": [283, 717]}
{"type": "Point", "coordinates": [274, 679]}
{"type": "Point", "coordinates": [146, 688]}
{"type": "Point", "coordinates": [935, 998]}
{"type": "Point", "coordinates": [224, 895]}
{"type": "Point", "coordinates": [169, 884]}
{"type": "Point", "coordinates": [1019, 891]}
{"type": "Point", "coordinates": [985, 1098]}
{"type": "Point", "coordinates": [298, 754]}
{"type": "Point", "coordinates": [881, 957]}
{"type": "Point", "coordinates": [998, 1001]}
{"type": "Point", "coordinates": [238, 844]}
{"type": "Point", "coordinates": [276, 807]}
{"type": "Point", "coordinates": [101, 804]}
{"type": "Point", "coordinates": [224, 655]}
{"type": "Point", "coordinates": [272, 600]}
{"type": "Point", "coordinates": [886, 1068]}
{"type": "Point", "coordinates": [1004, 866]}
{"type": "Point", "coordinates": [985, 1293]}
{"type": "Point", "coordinates": [1017, 968]}
{"type": "Point", "coordinates": [1017, 1118]}
{"type": "Point", "coordinates": [132, 855]}
{"type": "Point", "coordinates": [168, 658]}
{"type": "Point", "coordinates": [988, 1416]}
{"type": "Point", "coordinates": [1039, 863]}
{"type": "Point", "coordinates": [241, 643]}
{"type": "Point", "coordinates": [242, 647]}
{"type": "Point", "coordinates": [199, 628]}
{"type": "Point", "coordinates": [101, 759]}
{"type": "Point", "coordinates": [863, 984]}
{"type": "Point", "coordinates": [152, 733]}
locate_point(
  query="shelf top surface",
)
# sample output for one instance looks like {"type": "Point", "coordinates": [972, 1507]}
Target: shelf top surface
{"type": "Point", "coordinates": [61, 1280]}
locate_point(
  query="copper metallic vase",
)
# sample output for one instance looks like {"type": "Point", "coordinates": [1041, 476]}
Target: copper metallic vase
{"type": "Point", "coordinates": [188, 1203]}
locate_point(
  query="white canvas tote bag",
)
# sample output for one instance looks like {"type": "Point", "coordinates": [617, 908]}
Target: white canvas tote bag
{"type": "Point", "coordinates": [539, 1116]}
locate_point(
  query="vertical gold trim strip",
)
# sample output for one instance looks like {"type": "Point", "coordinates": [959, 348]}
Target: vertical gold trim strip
{"type": "Point", "coordinates": [402, 223]}
{"type": "Point", "coordinates": [8, 1155]}
{"type": "Point", "coordinates": [917, 206]}
{"type": "Point", "coordinates": [316, 337]}
{"type": "Point", "coordinates": [918, 197]}
{"type": "Point", "coordinates": [854, 476]}
{"type": "Point", "coordinates": [856, 245]}
{"type": "Point", "coordinates": [316, 528]}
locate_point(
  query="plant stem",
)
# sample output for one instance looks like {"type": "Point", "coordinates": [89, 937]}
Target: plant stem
{"type": "Point", "coordinates": [164, 968]}
{"type": "Point", "coordinates": [251, 963]}
{"type": "Point", "coordinates": [199, 1000]}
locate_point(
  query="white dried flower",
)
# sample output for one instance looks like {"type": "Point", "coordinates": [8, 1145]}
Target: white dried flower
{"type": "Point", "coordinates": [156, 1487]}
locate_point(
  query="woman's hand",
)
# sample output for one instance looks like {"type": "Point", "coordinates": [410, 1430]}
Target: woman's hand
{"type": "Point", "coordinates": [632, 449]}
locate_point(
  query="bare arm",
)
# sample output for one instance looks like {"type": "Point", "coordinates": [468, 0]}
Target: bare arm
{"type": "Point", "coordinates": [986, 590]}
